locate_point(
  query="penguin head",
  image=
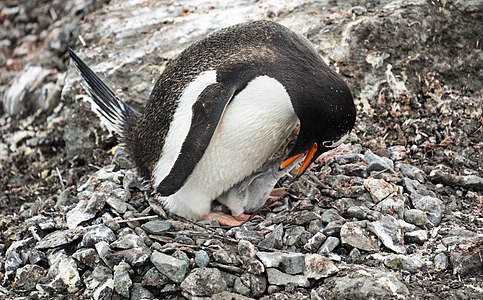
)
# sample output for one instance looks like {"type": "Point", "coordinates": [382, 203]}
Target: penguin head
{"type": "Point", "coordinates": [326, 120]}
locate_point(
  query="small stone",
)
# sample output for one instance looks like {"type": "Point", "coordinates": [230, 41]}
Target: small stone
{"type": "Point", "coordinates": [154, 278]}
{"type": "Point", "coordinates": [333, 228]}
{"type": "Point", "coordinates": [357, 235]}
{"type": "Point", "coordinates": [59, 238]}
{"type": "Point", "coordinates": [104, 290]}
{"type": "Point", "coordinates": [229, 296]}
{"type": "Point", "coordinates": [28, 276]}
{"type": "Point", "coordinates": [389, 233]}
{"type": "Point", "coordinates": [246, 250]}
{"type": "Point", "coordinates": [433, 207]}
{"type": "Point", "coordinates": [97, 234]}
{"type": "Point", "coordinates": [416, 217]}
{"type": "Point", "coordinates": [359, 212]}
{"type": "Point", "coordinates": [110, 222]}
{"type": "Point", "coordinates": [314, 243]}
{"type": "Point", "coordinates": [416, 189]}
{"type": "Point", "coordinates": [398, 152]}
{"type": "Point", "coordinates": [135, 257]}
{"type": "Point", "coordinates": [292, 263]}
{"type": "Point", "coordinates": [195, 283]}
{"type": "Point", "coordinates": [144, 236]}
{"type": "Point", "coordinates": [258, 284]}
{"type": "Point", "coordinates": [85, 210]}
{"type": "Point", "coordinates": [379, 189]}
{"type": "Point", "coordinates": [272, 289]}
{"type": "Point", "coordinates": [377, 163]}
{"type": "Point", "coordinates": [128, 239]}
{"type": "Point", "coordinates": [270, 259]}
{"type": "Point", "coordinates": [405, 262]}
{"type": "Point", "coordinates": [465, 262]}
{"type": "Point", "coordinates": [355, 255]}
{"type": "Point", "coordinates": [406, 227]}
{"type": "Point", "coordinates": [117, 204]}
{"type": "Point", "coordinates": [472, 182]}
{"type": "Point", "coordinates": [97, 276]}
{"type": "Point", "coordinates": [329, 245]}
{"type": "Point", "coordinates": [295, 236]}
{"type": "Point", "coordinates": [173, 268]}
{"type": "Point", "coordinates": [156, 227]}
{"type": "Point", "coordinates": [103, 250]}
{"type": "Point", "coordinates": [222, 256]}
{"type": "Point", "coordinates": [315, 226]}
{"type": "Point", "coordinates": [138, 292]}
{"type": "Point", "coordinates": [392, 205]}
{"type": "Point", "coordinates": [364, 283]}
{"type": "Point", "coordinates": [412, 172]}
{"type": "Point", "coordinates": [330, 215]}
{"type": "Point", "coordinates": [416, 237]}
{"type": "Point", "coordinates": [274, 239]}
{"type": "Point", "coordinates": [240, 288]}
{"type": "Point", "coordinates": [318, 266]}
{"type": "Point", "coordinates": [202, 258]}
{"type": "Point", "coordinates": [277, 277]}
{"type": "Point", "coordinates": [179, 254]}
{"type": "Point", "coordinates": [441, 262]}
{"type": "Point", "coordinates": [62, 274]}
{"type": "Point", "coordinates": [241, 233]}
{"type": "Point", "coordinates": [122, 281]}
{"type": "Point", "coordinates": [88, 257]}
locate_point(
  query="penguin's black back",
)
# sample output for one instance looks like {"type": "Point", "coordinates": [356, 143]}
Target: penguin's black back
{"type": "Point", "coordinates": [238, 54]}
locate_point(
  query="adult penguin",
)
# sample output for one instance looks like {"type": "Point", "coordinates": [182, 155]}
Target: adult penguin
{"type": "Point", "coordinates": [223, 108]}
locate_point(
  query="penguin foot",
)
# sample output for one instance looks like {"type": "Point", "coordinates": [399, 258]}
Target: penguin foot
{"type": "Point", "coordinates": [229, 220]}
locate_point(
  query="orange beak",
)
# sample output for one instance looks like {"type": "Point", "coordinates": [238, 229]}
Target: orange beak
{"type": "Point", "coordinates": [305, 164]}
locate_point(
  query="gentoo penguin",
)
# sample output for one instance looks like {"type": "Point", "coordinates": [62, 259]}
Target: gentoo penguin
{"type": "Point", "coordinates": [222, 108]}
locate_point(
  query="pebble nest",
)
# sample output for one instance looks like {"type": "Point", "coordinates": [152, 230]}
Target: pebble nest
{"type": "Point", "coordinates": [395, 213]}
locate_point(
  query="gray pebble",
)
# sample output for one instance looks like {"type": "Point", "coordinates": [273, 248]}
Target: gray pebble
{"type": "Point", "coordinates": [415, 216]}
{"type": "Point", "coordinates": [202, 258]}
{"type": "Point", "coordinates": [358, 236]}
{"type": "Point", "coordinates": [416, 237]}
{"type": "Point", "coordinates": [138, 292]}
{"type": "Point", "coordinates": [398, 261]}
{"type": "Point", "coordinates": [292, 263]}
{"type": "Point", "coordinates": [156, 227]}
{"type": "Point", "coordinates": [97, 234]}
{"type": "Point", "coordinates": [195, 283]}
{"type": "Point", "coordinates": [315, 242]}
{"type": "Point", "coordinates": [173, 268]}
{"type": "Point", "coordinates": [122, 281]}
{"type": "Point", "coordinates": [330, 244]}
{"type": "Point", "coordinates": [295, 236]}
{"type": "Point", "coordinates": [441, 262]}
{"type": "Point", "coordinates": [277, 277]}
{"type": "Point", "coordinates": [333, 228]}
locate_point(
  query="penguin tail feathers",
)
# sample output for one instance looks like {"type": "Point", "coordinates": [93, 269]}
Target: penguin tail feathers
{"type": "Point", "coordinates": [115, 115]}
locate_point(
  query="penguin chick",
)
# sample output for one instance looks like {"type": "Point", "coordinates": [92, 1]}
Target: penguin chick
{"type": "Point", "coordinates": [251, 194]}
{"type": "Point", "coordinates": [222, 108]}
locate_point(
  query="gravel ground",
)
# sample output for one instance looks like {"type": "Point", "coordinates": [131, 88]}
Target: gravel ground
{"type": "Point", "coordinates": [395, 213]}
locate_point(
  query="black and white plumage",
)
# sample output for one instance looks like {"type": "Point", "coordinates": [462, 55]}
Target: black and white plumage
{"type": "Point", "coordinates": [223, 107]}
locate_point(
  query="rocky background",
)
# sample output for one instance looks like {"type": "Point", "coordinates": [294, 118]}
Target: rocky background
{"type": "Point", "coordinates": [397, 213]}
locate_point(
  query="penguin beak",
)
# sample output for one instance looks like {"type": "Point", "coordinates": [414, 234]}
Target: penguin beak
{"type": "Point", "coordinates": [309, 157]}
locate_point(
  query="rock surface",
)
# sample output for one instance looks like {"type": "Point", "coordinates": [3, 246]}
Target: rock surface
{"type": "Point", "coordinates": [394, 213]}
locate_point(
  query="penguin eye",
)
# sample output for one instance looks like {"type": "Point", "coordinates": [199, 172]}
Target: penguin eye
{"type": "Point", "coordinates": [333, 144]}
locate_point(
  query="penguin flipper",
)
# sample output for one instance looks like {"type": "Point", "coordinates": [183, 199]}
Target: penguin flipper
{"type": "Point", "coordinates": [113, 112]}
{"type": "Point", "coordinates": [207, 113]}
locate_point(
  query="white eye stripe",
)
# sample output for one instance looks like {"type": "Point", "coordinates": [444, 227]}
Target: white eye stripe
{"type": "Point", "coordinates": [332, 144]}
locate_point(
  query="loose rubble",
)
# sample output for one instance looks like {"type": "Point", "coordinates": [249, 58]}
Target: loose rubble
{"type": "Point", "coordinates": [396, 213]}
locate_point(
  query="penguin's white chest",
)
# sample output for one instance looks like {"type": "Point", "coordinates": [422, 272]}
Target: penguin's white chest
{"type": "Point", "coordinates": [251, 130]}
